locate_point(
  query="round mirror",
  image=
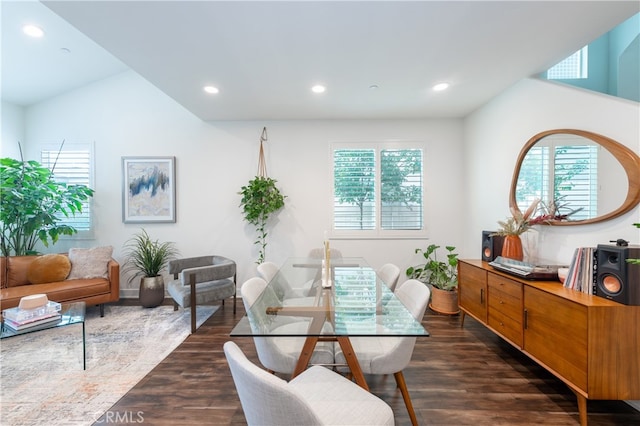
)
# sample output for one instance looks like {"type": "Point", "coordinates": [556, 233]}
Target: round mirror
{"type": "Point", "coordinates": [579, 177]}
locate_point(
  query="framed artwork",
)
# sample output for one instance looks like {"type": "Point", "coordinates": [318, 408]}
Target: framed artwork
{"type": "Point", "coordinates": [148, 189]}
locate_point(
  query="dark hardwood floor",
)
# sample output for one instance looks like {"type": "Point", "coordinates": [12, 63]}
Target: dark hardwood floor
{"type": "Point", "coordinates": [458, 376]}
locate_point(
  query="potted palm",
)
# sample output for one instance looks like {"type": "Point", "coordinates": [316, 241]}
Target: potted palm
{"type": "Point", "coordinates": [147, 258]}
{"type": "Point", "coordinates": [441, 275]}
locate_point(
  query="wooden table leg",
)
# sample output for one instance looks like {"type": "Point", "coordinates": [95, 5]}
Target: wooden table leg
{"type": "Point", "coordinates": [352, 361]}
{"type": "Point", "coordinates": [305, 355]}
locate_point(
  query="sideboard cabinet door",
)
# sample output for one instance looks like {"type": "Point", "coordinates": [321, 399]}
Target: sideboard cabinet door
{"type": "Point", "coordinates": [472, 290]}
{"type": "Point", "coordinates": [555, 334]}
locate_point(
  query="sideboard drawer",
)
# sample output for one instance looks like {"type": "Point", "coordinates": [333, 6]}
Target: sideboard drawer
{"type": "Point", "coordinates": [505, 307]}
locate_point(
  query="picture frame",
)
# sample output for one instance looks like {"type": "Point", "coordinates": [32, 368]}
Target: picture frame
{"type": "Point", "coordinates": [148, 190]}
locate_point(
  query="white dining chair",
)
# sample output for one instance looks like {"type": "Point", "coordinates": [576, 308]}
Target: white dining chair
{"type": "Point", "coordinates": [267, 270]}
{"type": "Point", "coordinates": [389, 274]}
{"type": "Point", "coordinates": [390, 355]}
{"type": "Point", "coordinates": [317, 396]}
{"type": "Point", "coordinates": [279, 353]}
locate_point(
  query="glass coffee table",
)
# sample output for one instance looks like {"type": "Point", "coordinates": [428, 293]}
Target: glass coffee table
{"type": "Point", "coordinates": [72, 313]}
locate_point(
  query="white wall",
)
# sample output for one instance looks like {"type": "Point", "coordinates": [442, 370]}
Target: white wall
{"type": "Point", "coordinates": [12, 130]}
{"type": "Point", "coordinates": [126, 116]}
{"type": "Point", "coordinates": [494, 136]}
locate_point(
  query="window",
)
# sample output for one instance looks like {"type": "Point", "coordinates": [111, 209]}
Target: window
{"type": "Point", "coordinates": [575, 66]}
{"type": "Point", "coordinates": [572, 179]}
{"type": "Point", "coordinates": [377, 189]}
{"type": "Point", "coordinates": [72, 165]}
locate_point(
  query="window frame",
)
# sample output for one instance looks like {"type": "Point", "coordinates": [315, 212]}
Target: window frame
{"type": "Point", "coordinates": [377, 232]}
{"type": "Point", "coordinates": [87, 234]}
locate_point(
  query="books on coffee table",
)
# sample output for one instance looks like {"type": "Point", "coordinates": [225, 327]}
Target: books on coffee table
{"type": "Point", "coordinates": [19, 319]}
{"type": "Point", "coordinates": [32, 322]}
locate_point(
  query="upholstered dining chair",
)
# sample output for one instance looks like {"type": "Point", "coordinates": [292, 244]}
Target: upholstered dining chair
{"type": "Point", "coordinates": [389, 274]}
{"type": "Point", "coordinates": [278, 354]}
{"type": "Point", "coordinates": [390, 355]}
{"type": "Point", "coordinates": [267, 270]}
{"type": "Point", "coordinates": [200, 281]}
{"type": "Point", "coordinates": [317, 396]}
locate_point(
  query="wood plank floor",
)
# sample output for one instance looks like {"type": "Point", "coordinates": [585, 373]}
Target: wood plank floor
{"type": "Point", "coordinates": [458, 376]}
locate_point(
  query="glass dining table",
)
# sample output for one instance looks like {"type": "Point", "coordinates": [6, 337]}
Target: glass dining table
{"type": "Point", "coordinates": [357, 304]}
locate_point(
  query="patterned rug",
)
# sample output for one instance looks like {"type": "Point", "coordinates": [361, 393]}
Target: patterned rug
{"type": "Point", "coordinates": [42, 380]}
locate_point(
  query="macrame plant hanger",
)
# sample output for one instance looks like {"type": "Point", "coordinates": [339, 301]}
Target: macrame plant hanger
{"type": "Point", "coordinates": [262, 164]}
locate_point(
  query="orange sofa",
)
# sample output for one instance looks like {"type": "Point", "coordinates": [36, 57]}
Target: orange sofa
{"type": "Point", "coordinates": [15, 284]}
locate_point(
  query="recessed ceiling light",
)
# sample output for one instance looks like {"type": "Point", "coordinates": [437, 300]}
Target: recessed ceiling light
{"type": "Point", "coordinates": [318, 88]}
{"type": "Point", "coordinates": [374, 87]}
{"type": "Point", "coordinates": [440, 87]}
{"type": "Point", "coordinates": [211, 89]}
{"type": "Point", "coordinates": [32, 30]}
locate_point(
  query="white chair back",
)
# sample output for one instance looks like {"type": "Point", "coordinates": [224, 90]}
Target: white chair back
{"type": "Point", "coordinates": [415, 296]}
{"type": "Point", "coordinates": [389, 274]}
{"type": "Point", "coordinates": [267, 270]}
{"type": "Point", "coordinates": [265, 398]}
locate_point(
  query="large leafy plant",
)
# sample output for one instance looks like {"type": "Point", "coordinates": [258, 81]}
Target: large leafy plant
{"type": "Point", "coordinates": [260, 198]}
{"type": "Point", "coordinates": [32, 205]}
{"type": "Point", "coordinates": [440, 274]}
{"type": "Point", "coordinates": [146, 257]}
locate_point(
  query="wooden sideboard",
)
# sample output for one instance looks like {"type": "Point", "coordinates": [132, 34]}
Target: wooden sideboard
{"type": "Point", "coordinates": [590, 343]}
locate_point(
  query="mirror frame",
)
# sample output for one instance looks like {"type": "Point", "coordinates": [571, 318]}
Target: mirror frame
{"type": "Point", "coordinates": [628, 159]}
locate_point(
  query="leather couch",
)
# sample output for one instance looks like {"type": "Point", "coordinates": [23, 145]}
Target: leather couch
{"type": "Point", "coordinates": [15, 284]}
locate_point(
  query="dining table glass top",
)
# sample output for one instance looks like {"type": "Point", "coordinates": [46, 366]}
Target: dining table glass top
{"type": "Point", "coordinates": [358, 303]}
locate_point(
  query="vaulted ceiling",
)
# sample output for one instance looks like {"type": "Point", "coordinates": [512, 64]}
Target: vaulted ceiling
{"type": "Point", "coordinates": [377, 59]}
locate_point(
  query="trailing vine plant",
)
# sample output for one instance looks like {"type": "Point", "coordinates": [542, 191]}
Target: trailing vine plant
{"type": "Point", "coordinates": [261, 198]}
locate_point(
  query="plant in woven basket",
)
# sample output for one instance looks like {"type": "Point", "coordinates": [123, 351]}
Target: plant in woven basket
{"type": "Point", "coordinates": [261, 198]}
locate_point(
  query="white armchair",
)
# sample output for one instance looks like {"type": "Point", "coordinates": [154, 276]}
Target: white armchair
{"type": "Point", "coordinates": [279, 353]}
{"type": "Point", "coordinates": [318, 396]}
{"type": "Point", "coordinates": [390, 355]}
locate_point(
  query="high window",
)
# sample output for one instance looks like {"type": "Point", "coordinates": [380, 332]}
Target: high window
{"type": "Point", "coordinates": [377, 189]}
{"type": "Point", "coordinates": [575, 66]}
{"type": "Point", "coordinates": [72, 165]}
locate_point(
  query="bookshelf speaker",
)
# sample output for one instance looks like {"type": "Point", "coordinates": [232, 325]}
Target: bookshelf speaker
{"type": "Point", "coordinates": [491, 246]}
{"type": "Point", "coordinates": [615, 278]}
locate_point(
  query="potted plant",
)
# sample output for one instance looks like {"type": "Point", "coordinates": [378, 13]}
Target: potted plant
{"type": "Point", "coordinates": [512, 228]}
{"type": "Point", "coordinates": [260, 198]}
{"type": "Point", "coordinates": [442, 276]}
{"type": "Point", "coordinates": [32, 205]}
{"type": "Point", "coordinates": [146, 258]}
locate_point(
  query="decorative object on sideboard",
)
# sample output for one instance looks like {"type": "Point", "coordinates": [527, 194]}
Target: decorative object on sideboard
{"type": "Point", "coordinates": [260, 198]}
{"type": "Point", "coordinates": [441, 276]}
{"type": "Point", "coordinates": [512, 228]}
{"type": "Point", "coordinates": [148, 189]}
{"type": "Point", "coordinates": [147, 258]}
{"type": "Point", "coordinates": [578, 154]}
{"type": "Point", "coordinates": [32, 204]}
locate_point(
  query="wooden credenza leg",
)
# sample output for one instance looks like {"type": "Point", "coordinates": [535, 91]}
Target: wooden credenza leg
{"type": "Point", "coordinates": [582, 409]}
{"type": "Point", "coordinates": [462, 314]}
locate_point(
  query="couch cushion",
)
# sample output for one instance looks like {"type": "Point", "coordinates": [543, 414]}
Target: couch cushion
{"type": "Point", "coordinates": [17, 268]}
{"type": "Point", "coordinates": [90, 263]}
{"type": "Point", "coordinates": [49, 268]}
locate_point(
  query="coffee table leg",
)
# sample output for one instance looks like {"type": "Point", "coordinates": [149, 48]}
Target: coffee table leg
{"type": "Point", "coordinates": [84, 349]}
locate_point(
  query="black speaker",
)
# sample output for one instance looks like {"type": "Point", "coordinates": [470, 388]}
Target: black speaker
{"type": "Point", "coordinates": [491, 246]}
{"type": "Point", "coordinates": [615, 278]}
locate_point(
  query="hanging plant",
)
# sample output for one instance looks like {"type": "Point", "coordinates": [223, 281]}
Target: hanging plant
{"type": "Point", "coordinates": [261, 198]}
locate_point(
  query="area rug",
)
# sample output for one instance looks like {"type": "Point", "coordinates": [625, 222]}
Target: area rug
{"type": "Point", "coordinates": [42, 380]}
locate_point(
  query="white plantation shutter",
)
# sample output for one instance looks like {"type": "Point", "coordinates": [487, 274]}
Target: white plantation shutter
{"type": "Point", "coordinates": [378, 188]}
{"type": "Point", "coordinates": [72, 166]}
{"type": "Point", "coordinates": [576, 178]}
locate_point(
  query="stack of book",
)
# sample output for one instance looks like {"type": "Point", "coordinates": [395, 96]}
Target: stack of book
{"type": "Point", "coordinates": [20, 319]}
{"type": "Point", "coordinates": [581, 271]}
